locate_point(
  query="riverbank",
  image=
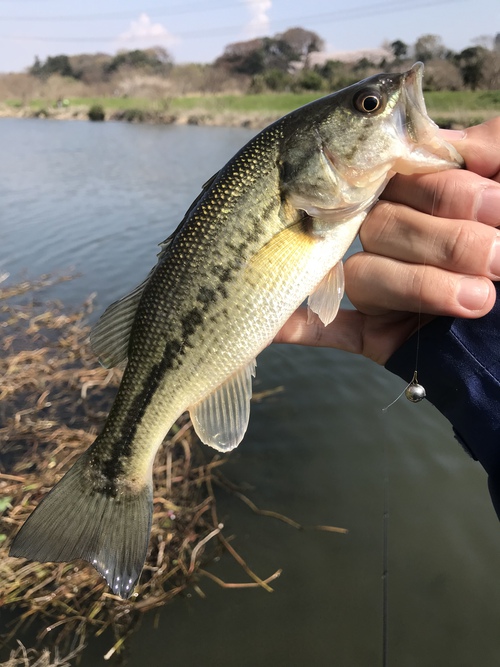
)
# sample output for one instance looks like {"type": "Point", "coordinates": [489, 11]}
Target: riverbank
{"type": "Point", "coordinates": [447, 108]}
{"type": "Point", "coordinates": [200, 116]}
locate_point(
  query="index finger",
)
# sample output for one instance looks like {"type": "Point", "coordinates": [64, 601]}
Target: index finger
{"type": "Point", "coordinates": [454, 194]}
{"type": "Point", "coordinates": [470, 194]}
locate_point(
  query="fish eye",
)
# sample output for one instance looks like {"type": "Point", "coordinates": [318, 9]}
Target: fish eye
{"type": "Point", "coordinates": [368, 101]}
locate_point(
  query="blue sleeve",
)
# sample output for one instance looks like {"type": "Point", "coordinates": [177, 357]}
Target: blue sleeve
{"type": "Point", "coordinates": [459, 366]}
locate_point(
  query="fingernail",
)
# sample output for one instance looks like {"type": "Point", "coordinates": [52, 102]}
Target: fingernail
{"type": "Point", "coordinates": [472, 293]}
{"type": "Point", "coordinates": [452, 135]}
{"type": "Point", "coordinates": [495, 257]}
{"type": "Point", "coordinates": [488, 207]}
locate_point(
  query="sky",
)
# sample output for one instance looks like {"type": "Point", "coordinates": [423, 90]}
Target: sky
{"type": "Point", "coordinates": [198, 30]}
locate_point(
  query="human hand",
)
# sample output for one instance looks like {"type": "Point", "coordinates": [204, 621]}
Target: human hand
{"type": "Point", "coordinates": [430, 248]}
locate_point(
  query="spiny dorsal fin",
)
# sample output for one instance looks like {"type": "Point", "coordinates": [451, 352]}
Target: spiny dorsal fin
{"type": "Point", "coordinates": [326, 298]}
{"type": "Point", "coordinates": [110, 337]}
{"type": "Point", "coordinates": [221, 419]}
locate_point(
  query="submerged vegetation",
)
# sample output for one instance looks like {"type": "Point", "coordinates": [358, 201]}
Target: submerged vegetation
{"type": "Point", "coordinates": [53, 400]}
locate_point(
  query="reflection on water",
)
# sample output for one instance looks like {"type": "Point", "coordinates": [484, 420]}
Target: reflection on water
{"type": "Point", "coordinates": [98, 198]}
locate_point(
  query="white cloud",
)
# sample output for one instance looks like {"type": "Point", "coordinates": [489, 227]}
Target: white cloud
{"type": "Point", "coordinates": [259, 23]}
{"type": "Point", "coordinates": [144, 31]}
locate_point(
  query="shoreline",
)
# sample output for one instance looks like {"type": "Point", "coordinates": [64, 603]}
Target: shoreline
{"type": "Point", "coordinates": [251, 119]}
{"type": "Point", "coordinates": [257, 120]}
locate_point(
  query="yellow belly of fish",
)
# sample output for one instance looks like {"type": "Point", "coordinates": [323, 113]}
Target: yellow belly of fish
{"type": "Point", "coordinates": [267, 291]}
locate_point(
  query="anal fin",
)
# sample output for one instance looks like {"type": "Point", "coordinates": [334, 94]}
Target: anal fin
{"type": "Point", "coordinates": [221, 419]}
{"type": "Point", "coordinates": [326, 298]}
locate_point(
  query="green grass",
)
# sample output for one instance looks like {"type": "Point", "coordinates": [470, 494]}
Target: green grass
{"type": "Point", "coordinates": [264, 102]}
{"type": "Point", "coordinates": [453, 100]}
{"type": "Point", "coordinates": [281, 102]}
{"type": "Point", "coordinates": [444, 106]}
{"type": "Point", "coordinates": [274, 103]}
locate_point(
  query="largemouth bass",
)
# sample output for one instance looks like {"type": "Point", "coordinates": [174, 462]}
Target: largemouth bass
{"type": "Point", "coordinates": [267, 231]}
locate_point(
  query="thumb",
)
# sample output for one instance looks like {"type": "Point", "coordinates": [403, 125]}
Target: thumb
{"type": "Point", "coordinates": [479, 146]}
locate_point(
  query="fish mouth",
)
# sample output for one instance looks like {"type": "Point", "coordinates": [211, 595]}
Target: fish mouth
{"type": "Point", "coordinates": [417, 122]}
{"type": "Point", "coordinates": [421, 132]}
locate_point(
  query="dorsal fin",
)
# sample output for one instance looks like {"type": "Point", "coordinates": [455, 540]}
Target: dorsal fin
{"type": "Point", "coordinates": [110, 337]}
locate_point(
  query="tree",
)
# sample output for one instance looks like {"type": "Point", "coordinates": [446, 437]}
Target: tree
{"type": "Point", "coordinates": [53, 65]}
{"type": "Point", "coordinates": [470, 62]}
{"type": "Point", "coordinates": [155, 60]}
{"type": "Point", "coordinates": [442, 74]}
{"type": "Point", "coordinates": [36, 67]}
{"type": "Point", "coordinates": [429, 47]}
{"type": "Point", "coordinates": [90, 67]}
{"type": "Point", "coordinates": [337, 74]}
{"type": "Point", "coordinates": [302, 42]}
{"type": "Point", "coordinates": [399, 49]}
{"type": "Point", "coordinates": [256, 56]}
{"type": "Point", "coordinates": [491, 70]}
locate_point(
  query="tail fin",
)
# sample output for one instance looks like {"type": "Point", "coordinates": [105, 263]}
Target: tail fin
{"type": "Point", "coordinates": [77, 521]}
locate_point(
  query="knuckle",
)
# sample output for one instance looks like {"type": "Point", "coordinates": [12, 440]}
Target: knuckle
{"type": "Point", "coordinates": [450, 196]}
{"type": "Point", "coordinates": [358, 274]}
{"type": "Point", "coordinates": [433, 290]}
{"type": "Point", "coordinates": [379, 224]}
{"type": "Point", "coordinates": [357, 266]}
{"type": "Point", "coordinates": [462, 248]}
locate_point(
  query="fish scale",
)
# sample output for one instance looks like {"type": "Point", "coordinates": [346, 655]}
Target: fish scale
{"type": "Point", "coordinates": [266, 232]}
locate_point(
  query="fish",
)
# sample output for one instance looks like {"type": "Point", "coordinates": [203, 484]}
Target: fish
{"type": "Point", "coordinates": [267, 231]}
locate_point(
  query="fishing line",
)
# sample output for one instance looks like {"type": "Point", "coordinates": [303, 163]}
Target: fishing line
{"type": "Point", "coordinates": [385, 565]}
{"type": "Point", "coordinates": [414, 392]}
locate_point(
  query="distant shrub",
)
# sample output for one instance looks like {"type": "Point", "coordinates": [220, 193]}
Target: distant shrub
{"type": "Point", "coordinates": [134, 115]}
{"type": "Point", "coordinates": [274, 80]}
{"type": "Point", "coordinates": [310, 80]}
{"type": "Point", "coordinates": [96, 112]}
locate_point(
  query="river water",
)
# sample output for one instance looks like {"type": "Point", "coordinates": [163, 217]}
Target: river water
{"type": "Point", "coordinates": [97, 199]}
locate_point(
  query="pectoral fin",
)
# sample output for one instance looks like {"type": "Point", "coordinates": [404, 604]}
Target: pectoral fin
{"type": "Point", "coordinates": [325, 300]}
{"type": "Point", "coordinates": [221, 419]}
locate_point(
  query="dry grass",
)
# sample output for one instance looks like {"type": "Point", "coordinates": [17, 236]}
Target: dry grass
{"type": "Point", "coordinates": [22, 657]}
{"type": "Point", "coordinates": [53, 401]}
